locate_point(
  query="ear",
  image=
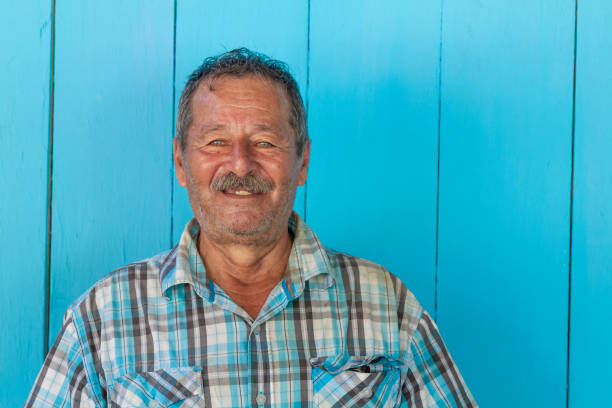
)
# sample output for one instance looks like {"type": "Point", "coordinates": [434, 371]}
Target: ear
{"type": "Point", "coordinates": [305, 160]}
{"type": "Point", "coordinates": [178, 162]}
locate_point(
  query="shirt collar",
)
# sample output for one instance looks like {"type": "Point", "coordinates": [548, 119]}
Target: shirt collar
{"type": "Point", "coordinates": [183, 265]}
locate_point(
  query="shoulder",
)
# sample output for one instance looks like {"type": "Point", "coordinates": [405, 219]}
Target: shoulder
{"type": "Point", "coordinates": [360, 273]}
{"type": "Point", "coordinates": [120, 287]}
{"type": "Point", "coordinates": [373, 284]}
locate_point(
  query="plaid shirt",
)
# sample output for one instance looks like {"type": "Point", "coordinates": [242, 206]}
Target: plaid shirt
{"type": "Point", "coordinates": [338, 331]}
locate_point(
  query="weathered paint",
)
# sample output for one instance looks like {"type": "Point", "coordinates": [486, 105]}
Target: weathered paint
{"type": "Point", "coordinates": [25, 28]}
{"type": "Point", "coordinates": [591, 292]}
{"type": "Point", "coordinates": [113, 123]}
{"type": "Point", "coordinates": [374, 128]}
{"type": "Point", "coordinates": [505, 168]}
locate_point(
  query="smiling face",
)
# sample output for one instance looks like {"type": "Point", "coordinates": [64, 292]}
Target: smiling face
{"type": "Point", "coordinates": [240, 163]}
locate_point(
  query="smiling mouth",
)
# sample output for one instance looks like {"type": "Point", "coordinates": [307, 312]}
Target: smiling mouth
{"type": "Point", "coordinates": [240, 192]}
{"type": "Point", "coordinates": [250, 185]}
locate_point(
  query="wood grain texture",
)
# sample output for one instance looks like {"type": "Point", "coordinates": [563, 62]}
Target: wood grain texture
{"type": "Point", "coordinates": [112, 142]}
{"type": "Point", "coordinates": [591, 292]}
{"type": "Point", "coordinates": [276, 28]}
{"type": "Point", "coordinates": [373, 123]}
{"type": "Point", "coordinates": [24, 133]}
{"type": "Point", "coordinates": [507, 72]}
{"type": "Point", "coordinates": [505, 164]}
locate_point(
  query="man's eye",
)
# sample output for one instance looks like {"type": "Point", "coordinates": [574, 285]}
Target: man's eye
{"type": "Point", "coordinates": [216, 142]}
{"type": "Point", "coordinates": [264, 144]}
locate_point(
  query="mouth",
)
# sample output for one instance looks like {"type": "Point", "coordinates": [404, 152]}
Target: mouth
{"type": "Point", "coordinates": [240, 192]}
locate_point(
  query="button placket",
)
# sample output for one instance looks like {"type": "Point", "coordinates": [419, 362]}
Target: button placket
{"type": "Point", "coordinates": [261, 398]}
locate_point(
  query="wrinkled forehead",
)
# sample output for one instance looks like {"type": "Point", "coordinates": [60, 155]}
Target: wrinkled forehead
{"type": "Point", "coordinates": [247, 93]}
{"type": "Point", "coordinates": [243, 87]}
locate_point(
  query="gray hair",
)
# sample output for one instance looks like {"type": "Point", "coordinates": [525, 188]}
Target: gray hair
{"type": "Point", "coordinates": [238, 63]}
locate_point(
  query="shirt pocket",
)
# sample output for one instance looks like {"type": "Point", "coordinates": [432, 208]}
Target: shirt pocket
{"type": "Point", "coordinates": [370, 381]}
{"type": "Point", "coordinates": [168, 388]}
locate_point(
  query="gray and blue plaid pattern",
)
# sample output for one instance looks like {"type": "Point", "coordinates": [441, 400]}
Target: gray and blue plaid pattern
{"type": "Point", "coordinates": [338, 331]}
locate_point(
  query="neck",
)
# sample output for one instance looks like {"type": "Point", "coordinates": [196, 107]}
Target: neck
{"type": "Point", "coordinates": [246, 273]}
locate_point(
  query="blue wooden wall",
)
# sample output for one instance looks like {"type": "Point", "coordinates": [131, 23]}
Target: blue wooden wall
{"type": "Point", "coordinates": [464, 144]}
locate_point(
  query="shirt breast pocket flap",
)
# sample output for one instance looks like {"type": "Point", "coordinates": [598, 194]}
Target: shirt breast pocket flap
{"type": "Point", "coordinates": [168, 388]}
{"type": "Point", "coordinates": [371, 381]}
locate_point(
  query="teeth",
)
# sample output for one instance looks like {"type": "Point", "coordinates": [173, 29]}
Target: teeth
{"type": "Point", "coordinates": [242, 192]}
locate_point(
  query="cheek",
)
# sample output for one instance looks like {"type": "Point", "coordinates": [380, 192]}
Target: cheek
{"type": "Point", "coordinates": [279, 169]}
{"type": "Point", "coordinates": [201, 171]}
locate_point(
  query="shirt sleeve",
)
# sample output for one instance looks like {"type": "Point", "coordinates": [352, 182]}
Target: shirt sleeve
{"type": "Point", "coordinates": [62, 380]}
{"type": "Point", "coordinates": [433, 379]}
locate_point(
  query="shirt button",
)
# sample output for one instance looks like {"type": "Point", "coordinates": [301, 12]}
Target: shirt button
{"type": "Point", "coordinates": [256, 331]}
{"type": "Point", "coordinates": [154, 404]}
{"type": "Point", "coordinates": [261, 399]}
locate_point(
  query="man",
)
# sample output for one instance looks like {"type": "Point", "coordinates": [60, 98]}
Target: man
{"type": "Point", "coordinates": [249, 309]}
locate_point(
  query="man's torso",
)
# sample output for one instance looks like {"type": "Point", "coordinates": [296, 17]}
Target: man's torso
{"type": "Point", "coordinates": [336, 334]}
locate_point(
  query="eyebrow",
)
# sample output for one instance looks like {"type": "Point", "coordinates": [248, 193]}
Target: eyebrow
{"type": "Point", "coordinates": [205, 129]}
{"type": "Point", "coordinates": [210, 128]}
{"type": "Point", "coordinates": [264, 128]}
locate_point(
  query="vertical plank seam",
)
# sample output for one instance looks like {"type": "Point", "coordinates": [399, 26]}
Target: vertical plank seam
{"type": "Point", "coordinates": [47, 296]}
{"type": "Point", "coordinates": [438, 164]}
{"type": "Point", "coordinates": [307, 99]}
{"type": "Point", "coordinates": [571, 218]}
{"type": "Point", "coordinates": [173, 127]}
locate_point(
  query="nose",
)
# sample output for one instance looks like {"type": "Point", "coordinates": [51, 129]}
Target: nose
{"type": "Point", "coordinates": [241, 161]}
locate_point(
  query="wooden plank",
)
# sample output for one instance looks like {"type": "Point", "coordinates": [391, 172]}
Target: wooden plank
{"type": "Point", "coordinates": [112, 143]}
{"type": "Point", "coordinates": [591, 327]}
{"type": "Point", "coordinates": [373, 123]}
{"type": "Point", "coordinates": [507, 72]}
{"type": "Point", "coordinates": [24, 133]}
{"type": "Point", "coordinates": [276, 28]}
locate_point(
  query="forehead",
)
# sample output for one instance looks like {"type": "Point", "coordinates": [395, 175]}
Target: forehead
{"type": "Point", "coordinates": [250, 94]}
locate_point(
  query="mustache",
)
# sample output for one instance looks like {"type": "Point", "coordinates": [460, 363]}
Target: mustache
{"type": "Point", "coordinates": [249, 182]}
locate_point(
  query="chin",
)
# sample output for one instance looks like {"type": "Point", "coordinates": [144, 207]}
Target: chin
{"type": "Point", "coordinates": [245, 229]}
{"type": "Point", "coordinates": [245, 237]}
{"type": "Point", "coordinates": [242, 227]}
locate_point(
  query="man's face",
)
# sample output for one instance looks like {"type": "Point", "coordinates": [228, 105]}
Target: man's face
{"type": "Point", "coordinates": [241, 126]}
